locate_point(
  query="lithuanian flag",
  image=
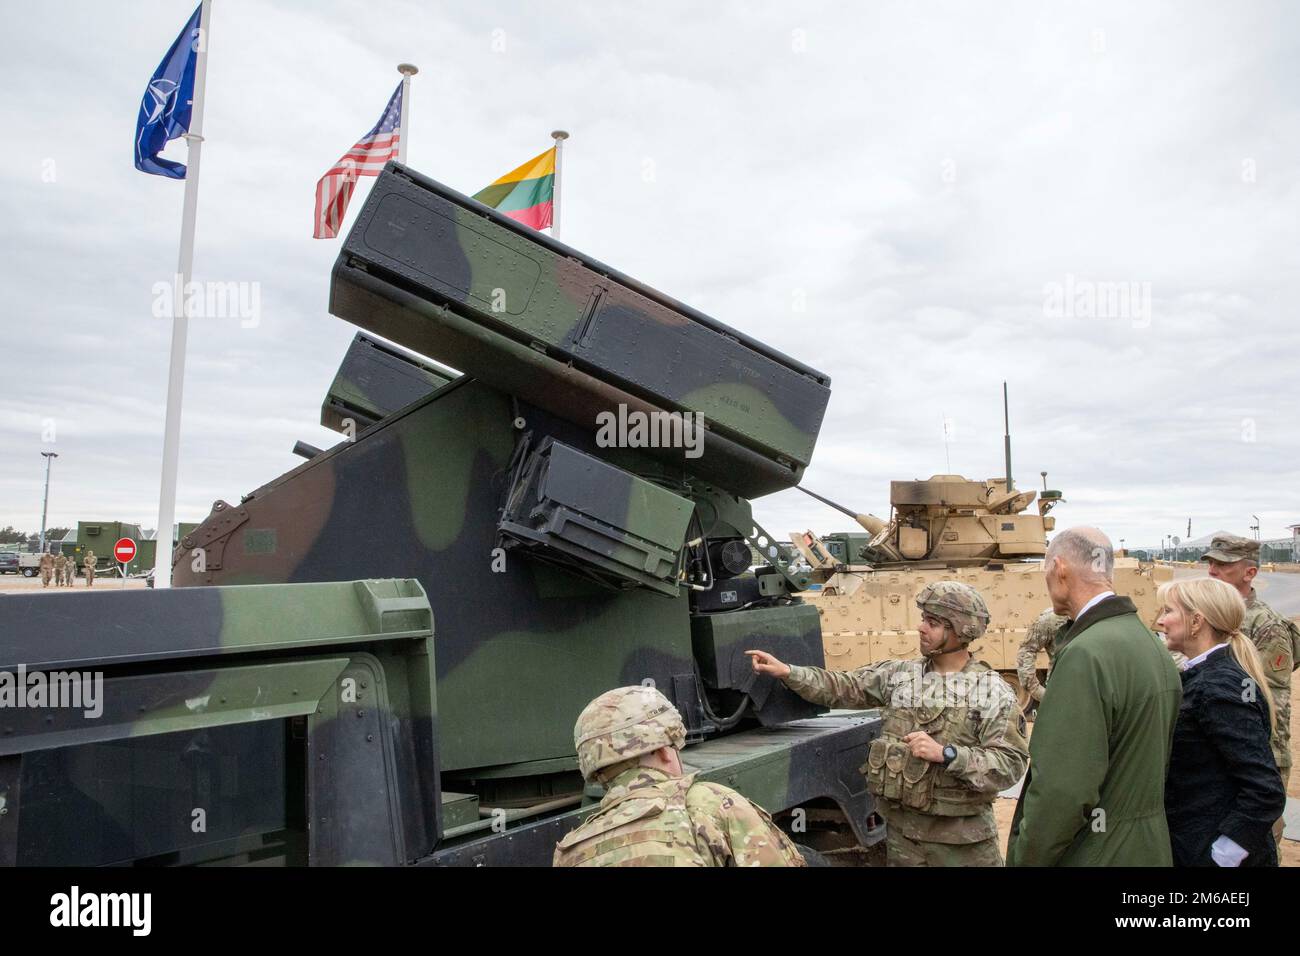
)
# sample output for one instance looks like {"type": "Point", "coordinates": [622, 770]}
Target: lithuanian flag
{"type": "Point", "coordinates": [524, 194]}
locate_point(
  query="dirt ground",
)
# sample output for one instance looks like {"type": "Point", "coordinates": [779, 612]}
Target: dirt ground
{"type": "Point", "coordinates": [1005, 807]}
{"type": "Point", "coordinates": [16, 582]}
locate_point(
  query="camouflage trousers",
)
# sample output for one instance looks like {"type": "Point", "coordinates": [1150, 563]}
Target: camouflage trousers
{"type": "Point", "coordinates": [903, 851]}
{"type": "Point", "coordinates": [1281, 821]}
{"type": "Point", "coordinates": [45, 577]}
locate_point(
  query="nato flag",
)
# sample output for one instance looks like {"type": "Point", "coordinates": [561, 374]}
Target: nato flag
{"type": "Point", "coordinates": [165, 112]}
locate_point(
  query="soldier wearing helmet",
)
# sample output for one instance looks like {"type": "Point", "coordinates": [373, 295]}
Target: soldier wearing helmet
{"type": "Point", "coordinates": [652, 814]}
{"type": "Point", "coordinates": [951, 739]}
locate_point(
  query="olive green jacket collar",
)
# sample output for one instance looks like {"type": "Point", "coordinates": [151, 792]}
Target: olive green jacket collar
{"type": "Point", "coordinates": [1111, 607]}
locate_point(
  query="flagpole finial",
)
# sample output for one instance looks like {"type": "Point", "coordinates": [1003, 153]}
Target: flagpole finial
{"type": "Point", "coordinates": [560, 134]}
{"type": "Point", "coordinates": [407, 69]}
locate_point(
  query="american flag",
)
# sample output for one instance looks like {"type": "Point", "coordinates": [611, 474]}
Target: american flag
{"type": "Point", "coordinates": [366, 158]}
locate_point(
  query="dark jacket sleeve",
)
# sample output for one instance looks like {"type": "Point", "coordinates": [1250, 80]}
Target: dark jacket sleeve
{"type": "Point", "coordinates": [1232, 727]}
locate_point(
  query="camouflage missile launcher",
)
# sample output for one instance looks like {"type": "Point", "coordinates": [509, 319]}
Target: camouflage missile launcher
{"type": "Point", "coordinates": [441, 274]}
{"type": "Point", "coordinates": [374, 381]}
{"type": "Point", "coordinates": [556, 565]}
{"type": "Point", "coordinates": [944, 528]}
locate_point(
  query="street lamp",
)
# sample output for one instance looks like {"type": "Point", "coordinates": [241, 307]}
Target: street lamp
{"type": "Point", "coordinates": [49, 456]}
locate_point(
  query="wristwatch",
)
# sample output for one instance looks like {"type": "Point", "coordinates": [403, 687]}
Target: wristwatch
{"type": "Point", "coordinates": [949, 754]}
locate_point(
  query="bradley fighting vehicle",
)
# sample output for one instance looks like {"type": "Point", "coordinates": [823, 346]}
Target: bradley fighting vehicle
{"type": "Point", "coordinates": [380, 655]}
{"type": "Point", "coordinates": [946, 527]}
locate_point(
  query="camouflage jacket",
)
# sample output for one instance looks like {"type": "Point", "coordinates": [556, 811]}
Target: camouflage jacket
{"type": "Point", "coordinates": [972, 709]}
{"type": "Point", "coordinates": [1041, 637]}
{"type": "Point", "coordinates": [1273, 637]}
{"type": "Point", "coordinates": [648, 818]}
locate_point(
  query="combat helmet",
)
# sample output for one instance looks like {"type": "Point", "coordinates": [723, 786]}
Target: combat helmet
{"type": "Point", "coordinates": [623, 724]}
{"type": "Point", "coordinates": [957, 603]}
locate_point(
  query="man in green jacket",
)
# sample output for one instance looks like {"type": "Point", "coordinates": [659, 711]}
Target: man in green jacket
{"type": "Point", "coordinates": [1094, 795]}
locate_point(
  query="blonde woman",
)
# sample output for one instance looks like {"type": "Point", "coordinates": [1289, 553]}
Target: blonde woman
{"type": "Point", "coordinates": [1223, 792]}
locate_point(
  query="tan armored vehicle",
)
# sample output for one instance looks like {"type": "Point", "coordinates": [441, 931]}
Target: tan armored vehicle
{"type": "Point", "coordinates": [947, 527]}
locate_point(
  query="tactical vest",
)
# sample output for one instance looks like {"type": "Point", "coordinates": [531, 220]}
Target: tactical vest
{"type": "Point", "coordinates": [647, 826]}
{"type": "Point", "coordinates": [894, 774]}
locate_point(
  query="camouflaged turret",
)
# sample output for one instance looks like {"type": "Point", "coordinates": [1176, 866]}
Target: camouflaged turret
{"type": "Point", "coordinates": [983, 534]}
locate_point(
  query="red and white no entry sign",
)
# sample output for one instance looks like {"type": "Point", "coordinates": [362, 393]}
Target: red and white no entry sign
{"type": "Point", "coordinates": [124, 550]}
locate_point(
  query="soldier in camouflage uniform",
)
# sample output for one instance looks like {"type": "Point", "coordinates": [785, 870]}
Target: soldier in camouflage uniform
{"type": "Point", "coordinates": [60, 569]}
{"type": "Point", "coordinates": [88, 565]}
{"type": "Point", "coordinates": [47, 569]}
{"type": "Point", "coordinates": [952, 737]}
{"type": "Point", "coordinates": [1235, 559]}
{"type": "Point", "coordinates": [652, 814]}
{"type": "Point", "coordinates": [1041, 637]}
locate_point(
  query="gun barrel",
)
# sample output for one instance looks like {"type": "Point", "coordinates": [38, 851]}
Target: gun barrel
{"type": "Point", "coordinates": [827, 501]}
{"type": "Point", "coordinates": [868, 522]}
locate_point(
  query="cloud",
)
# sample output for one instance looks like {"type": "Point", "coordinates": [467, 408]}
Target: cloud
{"type": "Point", "coordinates": [884, 192]}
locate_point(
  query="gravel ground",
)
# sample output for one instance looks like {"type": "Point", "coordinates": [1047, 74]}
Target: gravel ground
{"type": "Point", "coordinates": [16, 582]}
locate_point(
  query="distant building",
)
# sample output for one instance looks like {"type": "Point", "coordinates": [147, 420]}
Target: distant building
{"type": "Point", "coordinates": [1270, 549]}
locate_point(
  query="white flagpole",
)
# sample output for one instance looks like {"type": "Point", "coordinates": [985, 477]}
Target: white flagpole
{"type": "Point", "coordinates": [559, 136]}
{"type": "Point", "coordinates": [407, 70]}
{"type": "Point", "coordinates": [180, 314]}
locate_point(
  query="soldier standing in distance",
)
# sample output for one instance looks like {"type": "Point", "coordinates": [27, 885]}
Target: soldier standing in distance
{"type": "Point", "coordinates": [652, 814]}
{"type": "Point", "coordinates": [47, 568]}
{"type": "Point", "coordinates": [88, 565]}
{"type": "Point", "coordinates": [1235, 560]}
{"type": "Point", "coordinates": [952, 738]}
{"type": "Point", "coordinates": [1041, 637]}
{"type": "Point", "coordinates": [60, 569]}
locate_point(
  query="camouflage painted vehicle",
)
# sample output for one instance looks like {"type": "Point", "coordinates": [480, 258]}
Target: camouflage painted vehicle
{"type": "Point", "coordinates": [376, 380]}
{"type": "Point", "coordinates": [556, 566]}
{"type": "Point", "coordinates": [218, 725]}
{"type": "Point", "coordinates": [946, 527]}
{"type": "Point", "coordinates": [280, 724]}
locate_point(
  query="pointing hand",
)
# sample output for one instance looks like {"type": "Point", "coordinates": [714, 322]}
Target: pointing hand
{"type": "Point", "coordinates": [765, 663]}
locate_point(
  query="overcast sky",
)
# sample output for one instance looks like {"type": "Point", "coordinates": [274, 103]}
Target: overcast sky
{"type": "Point", "coordinates": [896, 194]}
